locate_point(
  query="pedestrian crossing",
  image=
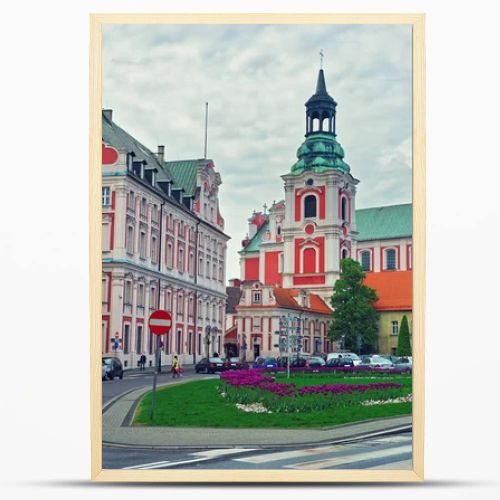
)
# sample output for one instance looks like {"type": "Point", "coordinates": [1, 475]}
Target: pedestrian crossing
{"type": "Point", "coordinates": [389, 453]}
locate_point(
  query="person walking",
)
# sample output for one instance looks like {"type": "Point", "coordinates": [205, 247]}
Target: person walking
{"type": "Point", "coordinates": [142, 362]}
{"type": "Point", "coordinates": [176, 367]}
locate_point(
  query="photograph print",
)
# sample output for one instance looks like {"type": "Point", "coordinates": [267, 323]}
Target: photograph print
{"type": "Point", "coordinates": [257, 249]}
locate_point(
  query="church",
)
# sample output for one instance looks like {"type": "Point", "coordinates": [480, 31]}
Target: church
{"type": "Point", "coordinates": [291, 256]}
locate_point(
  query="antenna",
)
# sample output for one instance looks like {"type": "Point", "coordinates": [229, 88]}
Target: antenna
{"type": "Point", "coordinates": [206, 130]}
{"type": "Point", "coordinates": [321, 55]}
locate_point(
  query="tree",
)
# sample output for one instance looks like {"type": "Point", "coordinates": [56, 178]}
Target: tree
{"type": "Point", "coordinates": [354, 314]}
{"type": "Point", "coordinates": [404, 345]}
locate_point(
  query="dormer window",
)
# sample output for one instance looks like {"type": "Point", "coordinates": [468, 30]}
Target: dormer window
{"type": "Point", "coordinates": [310, 206]}
{"type": "Point", "coordinates": [257, 297]}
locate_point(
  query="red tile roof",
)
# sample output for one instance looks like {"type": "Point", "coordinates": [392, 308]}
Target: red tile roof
{"type": "Point", "coordinates": [231, 333]}
{"type": "Point", "coordinates": [285, 297]}
{"type": "Point", "coordinates": [394, 290]}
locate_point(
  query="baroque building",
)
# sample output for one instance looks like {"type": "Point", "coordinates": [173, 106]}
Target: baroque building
{"type": "Point", "coordinates": [291, 256]}
{"type": "Point", "coordinates": [163, 247]}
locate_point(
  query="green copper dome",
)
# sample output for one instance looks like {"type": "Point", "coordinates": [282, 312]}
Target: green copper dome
{"type": "Point", "coordinates": [319, 153]}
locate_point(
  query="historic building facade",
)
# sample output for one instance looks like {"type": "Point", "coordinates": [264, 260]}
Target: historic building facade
{"type": "Point", "coordinates": [163, 247]}
{"type": "Point", "coordinates": [291, 256]}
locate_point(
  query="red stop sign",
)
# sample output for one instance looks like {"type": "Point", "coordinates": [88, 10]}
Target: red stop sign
{"type": "Point", "coordinates": [160, 322]}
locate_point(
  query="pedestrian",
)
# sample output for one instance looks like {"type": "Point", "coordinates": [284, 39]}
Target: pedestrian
{"type": "Point", "coordinates": [176, 367]}
{"type": "Point", "coordinates": [142, 362]}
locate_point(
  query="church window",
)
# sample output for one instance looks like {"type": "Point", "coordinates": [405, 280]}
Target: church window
{"type": "Point", "coordinates": [309, 264]}
{"type": "Point", "coordinates": [345, 253]}
{"type": "Point", "coordinates": [390, 259]}
{"type": "Point", "coordinates": [310, 206]}
{"type": "Point", "coordinates": [366, 260]}
{"type": "Point", "coordinates": [278, 230]}
{"type": "Point", "coordinates": [256, 297]}
{"type": "Point", "coordinates": [310, 182]}
{"type": "Point", "coordinates": [343, 208]}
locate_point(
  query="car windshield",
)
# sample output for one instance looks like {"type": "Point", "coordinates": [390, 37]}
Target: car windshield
{"type": "Point", "coordinates": [216, 360]}
{"type": "Point", "coordinates": [107, 361]}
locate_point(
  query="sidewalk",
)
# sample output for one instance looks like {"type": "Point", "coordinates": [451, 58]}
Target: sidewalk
{"type": "Point", "coordinates": [116, 430]}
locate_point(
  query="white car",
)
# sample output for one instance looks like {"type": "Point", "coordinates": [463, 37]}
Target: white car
{"type": "Point", "coordinates": [376, 361]}
{"type": "Point", "coordinates": [355, 358]}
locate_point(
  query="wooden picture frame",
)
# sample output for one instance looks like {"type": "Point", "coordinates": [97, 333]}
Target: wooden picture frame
{"type": "Point", "coordinates": [275, 476]}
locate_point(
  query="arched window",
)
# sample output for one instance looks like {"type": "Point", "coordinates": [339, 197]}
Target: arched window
{"type": "Point", "coordinates": [309, 264]}
{"type": "Point", "coordinates": [343, 208]}
{"type": "Point", "coordinates": [366, 260]}
{"type": "Point", "coordinates": [315, 125]}
{"type": "Point", "coordinates": [310, 206]}
{"type": "Point", "coordinates": [325, 126]}
{"type": "Point", "coordinates": [390, 259]}
{"type": "Point", "coordinates": [345, 253]}
{"type": "Point", "coordinates": [278, 230]}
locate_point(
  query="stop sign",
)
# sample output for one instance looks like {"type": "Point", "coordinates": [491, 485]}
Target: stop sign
{"type": "Point", "coordinates": [160, 322]}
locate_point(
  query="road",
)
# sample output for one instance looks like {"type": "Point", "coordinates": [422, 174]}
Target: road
{"type": "Point", "coordinates": [136, 379]}
{"type": "Point", "coordinates": [387, 452]}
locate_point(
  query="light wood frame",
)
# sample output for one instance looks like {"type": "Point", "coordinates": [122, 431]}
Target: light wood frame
{"type": "Point", "coordinates": [284, 476]}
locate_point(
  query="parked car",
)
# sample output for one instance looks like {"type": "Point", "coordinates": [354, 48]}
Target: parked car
{"type": "Point", "coordinates": [404, 362]}
{"type": "Point", "coordinates": [321, 355]}
{"type": "Point", "coordinates": [265, 363]}
{"type": "Point", "coordinates": [341, 362]}
{"type": "Point", "coordinates": [315, 361]}
{"type": "Point", "coordinates": [376, 361]}
{"type": "Point", "coordinates": [209, 365]}
{"type": "Point", "coordinates": [356, 359]}
{"type": "Point", "coordinates": [111, 368]}
{"type": "Point", "coordinates": [235, 364]}
{"type": "Point", "coordinates": [391, 357]}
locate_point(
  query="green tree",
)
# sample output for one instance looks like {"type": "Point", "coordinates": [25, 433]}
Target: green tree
{"type": "Point", "coordinates": [353, 313]}
{"type": "Point", "coordinates": [404, 345]}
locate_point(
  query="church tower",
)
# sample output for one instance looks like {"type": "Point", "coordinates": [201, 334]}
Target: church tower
{"type": "Point", "coordinates": [319, 225]}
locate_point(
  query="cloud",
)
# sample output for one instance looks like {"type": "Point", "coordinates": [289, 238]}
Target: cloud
{"type": "Point", "coordinates": [256, 79]}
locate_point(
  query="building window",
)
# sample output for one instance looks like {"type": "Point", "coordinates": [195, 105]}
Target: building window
{"type": "Point", "coordinates": [181, 259]}
{"type": "Point", "coordinates": [168, 305]}
{"type": "Point", "coordinates": [178, 346]}
{"type": "Point", "coordinates": [190, 342]}
{"type": "Point", "coordinates": [200, 267]}
{"type": "Point", "coordinates": [153, 299]}
{"type": "Point", "coordinates": [199, 343]}
{"type": "Point", "coordinates": [130, 200]}
{"type": "Point", "coordinates": [128, 293]}
{"type": "Point", "coordinates": [167, 343]}
{"type": "Point", "coordinates": [169, 255]}
{"type": "Point", "coordinates": [105, 237]}
{"type": "Point", "coordinates": [343, 208]}
{"type": "Point", "coordinates": [390, 259]}
{"type": "Point", "coordinates": [191, 263]}
{"type": "Point", "coordinates": [150, 350]}
{"type": "Point", "coordinates": [278, 231]}
{"type": "Point", "coordinates": [394, 327]}
{"type": "Point", "coordinates": [126, 339]}
{"type": "Point", "coordinates": [143, 206]}
{"type": "Point", "coordinates": [366, 261]}
{"type": "Point", "coordinates": [154, 250]}
{"type": "Point", "coordinates": [142, 245]}
{"type": "Point", "coordinates": [140, 295]}
{"type": "Point", "coordinates": [214, 272]}
{"type": "Point", "coordinates": [310, 206]}
{"type": "Point", "coordinates": [106, 196]}
{"type": "Point", "coordinates": [281, 263]}
{"type": "Point", "coordinates": [138, 346]}
{"type": "Point", "coordinates": [257, 297]}
{"type": "Point", "coordinates": [130, 239]}
{"type": "Point", "coordinates": [309, 260]}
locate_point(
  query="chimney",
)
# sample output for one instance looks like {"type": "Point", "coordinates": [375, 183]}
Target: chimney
{"type": "Point", "coordinates": [161, 153]}
{"type": "Point", "coordinates": [108, 114]}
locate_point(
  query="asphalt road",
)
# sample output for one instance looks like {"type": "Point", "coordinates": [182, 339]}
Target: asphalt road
{"type": "Point", "coordinates": [388, 452]}
{"type": "Point", "coordinates": [136, 379]}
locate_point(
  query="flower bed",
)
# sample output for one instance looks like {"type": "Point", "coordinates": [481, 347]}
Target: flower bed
{"type": "Point", "coordinates": [344, 370]}
{"type": "Point", "coordinates": [247, 387]}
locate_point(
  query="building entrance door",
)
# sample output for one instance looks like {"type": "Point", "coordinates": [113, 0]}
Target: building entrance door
{"type": "Point", "coordinates": [256, 351]}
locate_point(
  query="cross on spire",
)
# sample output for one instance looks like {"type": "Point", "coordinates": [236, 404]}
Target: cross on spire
{"type": "Point", "coordinates": [321, 55]}
{"type": "Point", "coordinates": [264, 207]}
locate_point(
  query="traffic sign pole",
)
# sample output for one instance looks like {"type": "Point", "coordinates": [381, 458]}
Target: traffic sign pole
{"type": "Point", "coordinates": [160, 322]}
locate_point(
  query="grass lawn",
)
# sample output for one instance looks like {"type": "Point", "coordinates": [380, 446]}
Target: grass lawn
{"type": "Point", "coordinates": [198, 404]}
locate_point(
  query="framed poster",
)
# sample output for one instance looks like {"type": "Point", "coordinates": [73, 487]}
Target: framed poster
{"type": "Point", "coordinates": [257, 264]}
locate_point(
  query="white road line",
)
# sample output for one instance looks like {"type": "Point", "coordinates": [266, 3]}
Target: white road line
{"type": "Point", "coordinates": [203, 457]}
{"type": "Point", "coordinates": [151, 465]}
{"type": "Point", "coordinates": [357, 457]}
{"type": "Point", "coordinates": [283, 455]}
{"type": "Point", "coordinates": [403, 465]}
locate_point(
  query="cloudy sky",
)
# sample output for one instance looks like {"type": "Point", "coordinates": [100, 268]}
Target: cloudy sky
{"type": "Point", "coordinates": [256, 79]}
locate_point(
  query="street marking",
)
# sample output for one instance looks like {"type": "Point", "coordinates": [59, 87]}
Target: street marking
{"type": "Point", "coordinates": [221, 452]}
{"type": "Point", "coordinates": [283, 455]}
{"type": "Point", "coordinates": [151, 465]}
{"type": "Point", "coordinates": [403, 465]}
{"type": "Point", "coordinates": [358, 457]}
{"type": "Point", "coordinates": [204, 456]}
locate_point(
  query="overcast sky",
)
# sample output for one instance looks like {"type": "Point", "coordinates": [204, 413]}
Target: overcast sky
{"type": "Point", "coordinates": [256, 79]}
